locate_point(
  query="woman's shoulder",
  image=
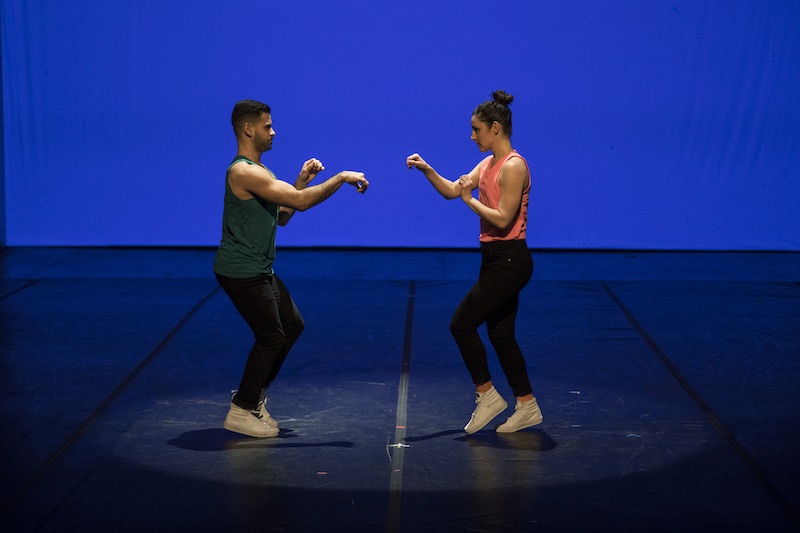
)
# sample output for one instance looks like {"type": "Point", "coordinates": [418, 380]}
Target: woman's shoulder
{"type": "Point", "coordinates": [515, 159]}
{"type": "Point", "coordinates": [514, 155]}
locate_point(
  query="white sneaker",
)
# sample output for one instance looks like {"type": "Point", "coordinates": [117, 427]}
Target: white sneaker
{"type": "Point", "coordinates": [489, 404]}
{"type": "Point", "coordinates": [526, 414]}
{"type": "Point", "coordinates": [261, 409]}
{"type": "Point", "coordinates": [240, 420]}
{"type": "Point", "coordinates": [262, 413]}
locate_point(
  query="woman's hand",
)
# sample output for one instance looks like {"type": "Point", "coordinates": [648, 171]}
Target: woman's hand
{"type": "Point", "coordinates": [467, 185]}
{"type": "Point", "coordinates": [416, 161]}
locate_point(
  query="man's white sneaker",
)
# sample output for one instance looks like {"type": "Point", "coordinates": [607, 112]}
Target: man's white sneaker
{"type": "Point", "coordinates": [261, 409]}
{"type": "Point", "coordinates": [488, 405]}
{"type": "Point", "coordinates": [240, 420]}
{"type": "Point", "coordinates": [526, 414]}
{"type": "Point", "coordinates": [262, 413]}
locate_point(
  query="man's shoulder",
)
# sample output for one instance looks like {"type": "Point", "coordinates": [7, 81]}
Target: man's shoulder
{"type": "Point", "coordinates": [245, 167]}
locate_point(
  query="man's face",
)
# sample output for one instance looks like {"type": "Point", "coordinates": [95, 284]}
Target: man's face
{"type": "Point", "coordinates": [262, 138]}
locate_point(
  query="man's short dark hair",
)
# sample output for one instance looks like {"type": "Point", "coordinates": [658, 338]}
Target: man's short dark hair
{"type": "Point", "coordinates": [247, 111]}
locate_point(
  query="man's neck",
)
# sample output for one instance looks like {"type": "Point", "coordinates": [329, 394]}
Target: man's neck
{"type": "Point", "coordinates": [250, 153]}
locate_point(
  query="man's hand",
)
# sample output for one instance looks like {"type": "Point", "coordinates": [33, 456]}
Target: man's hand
{"type": "Point", "coordinates": [307, 173]}
{"type": "Point", "coordinates": [356, 179]}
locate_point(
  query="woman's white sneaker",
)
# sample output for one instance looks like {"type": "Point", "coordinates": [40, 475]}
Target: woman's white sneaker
{"type": "Point", "coordinates": [488, 405]}
{"type": "Point", "coordinates": [526, 414]}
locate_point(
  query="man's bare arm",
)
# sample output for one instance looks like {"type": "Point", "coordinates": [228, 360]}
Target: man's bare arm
{"type": "Point", "coordinates": [251, 180]}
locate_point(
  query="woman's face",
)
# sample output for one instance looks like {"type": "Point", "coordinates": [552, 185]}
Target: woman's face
{"type": "Point", "coordinates": [482, 134]}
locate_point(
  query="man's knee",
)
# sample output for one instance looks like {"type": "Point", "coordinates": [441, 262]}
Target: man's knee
{"type": "Point", "coordinates": [295, 329]}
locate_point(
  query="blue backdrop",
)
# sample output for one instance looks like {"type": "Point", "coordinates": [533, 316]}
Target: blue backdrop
{"type": "Point", "coordinates": [654, 125]}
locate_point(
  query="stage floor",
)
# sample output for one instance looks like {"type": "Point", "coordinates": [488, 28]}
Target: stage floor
{"type": "Point", "coordinates": [669, 384]}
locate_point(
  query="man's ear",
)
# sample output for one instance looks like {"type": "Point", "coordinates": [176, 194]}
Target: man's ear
{"type": "Point", "coordinates": [247, 129]}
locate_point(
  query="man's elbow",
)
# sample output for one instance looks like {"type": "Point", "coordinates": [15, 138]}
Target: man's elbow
{"type": "Point", "coordinates": [300, 203]}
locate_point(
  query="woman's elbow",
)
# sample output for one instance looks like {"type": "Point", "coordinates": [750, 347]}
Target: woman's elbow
{"type": "Point", "coordinates": [504, 222]}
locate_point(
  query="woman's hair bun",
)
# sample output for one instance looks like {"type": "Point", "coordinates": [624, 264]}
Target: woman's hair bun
{"type": "Point", "coordinates": [502, 97]}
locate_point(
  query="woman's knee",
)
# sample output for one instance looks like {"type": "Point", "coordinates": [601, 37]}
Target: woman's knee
{"type": "Point", "coordinates": [460, 328]}
{"type": "Point", "coordinates": [272, 341]}
{"type": "Point", "coordinates": [455, 325]}
{"type": "Point", "coordinates": [502, 339]}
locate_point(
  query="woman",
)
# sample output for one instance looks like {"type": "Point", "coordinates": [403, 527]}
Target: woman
{"type": "Point", "coordinates": [503, 183]}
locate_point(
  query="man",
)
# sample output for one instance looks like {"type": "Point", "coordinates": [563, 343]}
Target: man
{"type": "Point", "coordinates": [256, 202]}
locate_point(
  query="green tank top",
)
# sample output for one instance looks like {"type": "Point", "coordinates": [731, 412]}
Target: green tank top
{"type": "Point", "coordinates": [247, 247]}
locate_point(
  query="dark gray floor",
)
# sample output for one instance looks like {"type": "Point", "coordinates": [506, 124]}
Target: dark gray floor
{"type": "Point", "coordinates": [668, 383]}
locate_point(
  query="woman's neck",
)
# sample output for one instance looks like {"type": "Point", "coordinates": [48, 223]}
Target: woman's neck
{"type": "Point", "coordinates": [502, 149]}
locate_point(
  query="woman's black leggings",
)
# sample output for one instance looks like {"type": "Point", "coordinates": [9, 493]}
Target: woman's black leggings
{"type": "Point", "coordinates": [506, 267]}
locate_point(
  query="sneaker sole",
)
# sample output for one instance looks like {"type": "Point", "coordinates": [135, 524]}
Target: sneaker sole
{"type": "Point", "coordinates": [244, 431]}
{"type": "Point", "coordinates": [500, 428]}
